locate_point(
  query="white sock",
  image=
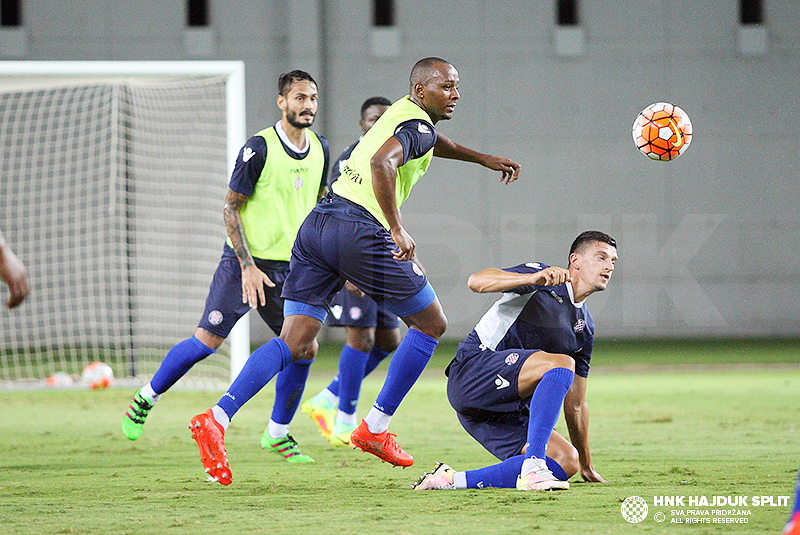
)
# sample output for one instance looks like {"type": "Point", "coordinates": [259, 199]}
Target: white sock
{"type": "Point", "coordinates": [149, 394]}
{"type": "Point", "coordinates": [347, 419]}
{"type": "Point", "coordinates": [377, 421]}
{"type": "Point", "coordinates": [221, 417]}
{"type": "Point", "coordinates": [460, 480]}
{"type": "Point", "coordinates": [330, 396]}
{"type": "Point", "coordinates": [277, 430]}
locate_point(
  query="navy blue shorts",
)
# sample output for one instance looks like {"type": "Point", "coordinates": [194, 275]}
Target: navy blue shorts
{"type": "Point", "coordinates": [351, 310]}
{"type": "Point", "coordinates": [339, 241]}
{"type": "Point", "coordinates": [224, 304]}
{"type": "Point", "coordinates": [482, 388]}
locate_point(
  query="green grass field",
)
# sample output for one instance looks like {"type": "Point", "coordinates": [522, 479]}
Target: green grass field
{"type": "Point", "coordinates": [667, 419]}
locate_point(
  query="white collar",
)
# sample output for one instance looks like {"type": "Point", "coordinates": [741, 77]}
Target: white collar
{"type": "Point", "coordinates": [572, 296]}
{"type": "Point", "coordinates": [282, 134]}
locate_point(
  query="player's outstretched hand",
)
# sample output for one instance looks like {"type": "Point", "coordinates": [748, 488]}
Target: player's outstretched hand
{"type": "Point", "coordinates": [508, 168]}
{"type": "Point", "coordinates": [590, 474]}
{"type": "Point", "coordinates": [253, 281]}
{"type": "Point", "coordinates": [405, 244]}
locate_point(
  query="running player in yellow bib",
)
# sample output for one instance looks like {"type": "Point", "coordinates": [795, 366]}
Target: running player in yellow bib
{"type": "Point", "coordinates": [356, 234]}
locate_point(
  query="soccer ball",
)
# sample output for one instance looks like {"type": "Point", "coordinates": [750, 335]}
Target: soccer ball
{"type": "Point", "coordinates": [662, 131]}
{"type": "Point", "coordinates": [98, 375]}
{"type": "Point", "coordinates": [59, 379]}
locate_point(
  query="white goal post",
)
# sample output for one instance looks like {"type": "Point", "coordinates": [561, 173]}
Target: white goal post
{"type": "Point", "coordinates": [112, 180]}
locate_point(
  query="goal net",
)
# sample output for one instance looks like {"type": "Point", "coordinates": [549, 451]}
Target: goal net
{"type": "Point", "coordinates": [112, 181]}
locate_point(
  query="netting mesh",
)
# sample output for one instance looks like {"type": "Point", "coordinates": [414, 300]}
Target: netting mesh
{"type": "Point", "coordinates": [111, 193]}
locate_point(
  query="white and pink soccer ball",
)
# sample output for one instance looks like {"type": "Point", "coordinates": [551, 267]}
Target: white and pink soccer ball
{"type": "Point", "coordinates": [97, 375]}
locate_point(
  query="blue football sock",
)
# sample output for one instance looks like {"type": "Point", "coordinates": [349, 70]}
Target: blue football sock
{"type": "Point", "coordinates": [178, 361]}
{"type": "Point", "coordinates": [503, 475]}
{"type": "Point", "coordinates": [410, 358]}
{"type": "Point", "coordinates": [556, 468]}
{"type": "Point", "coordinates": [351, 372]}
{"type": "Point", "coordinates": [545, 408]}
{"type": "Point", "coordinates": [289, 388]}
{"type": "Point", "coordinates": [376, 356]}
{"type": "Point", "coordinates": [260, 368]}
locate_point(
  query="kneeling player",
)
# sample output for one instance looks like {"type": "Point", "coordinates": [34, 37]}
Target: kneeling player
{"type": "Point", "coordinates": [527, 356]}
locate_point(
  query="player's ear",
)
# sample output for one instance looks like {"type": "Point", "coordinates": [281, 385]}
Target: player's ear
{"type": "Point", "coordinates": [419, 90]}
{"type": "Point", "coordinates": [281, 101]}
{"type": "Point", "coordinates": [573, 260]}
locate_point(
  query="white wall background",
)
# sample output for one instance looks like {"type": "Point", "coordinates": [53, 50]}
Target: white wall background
{"type": "Point", "coordinates": [709, 244]}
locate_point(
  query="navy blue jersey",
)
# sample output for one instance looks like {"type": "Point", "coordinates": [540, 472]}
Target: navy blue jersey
{"type": "Point", "coordinates": [338, 165]}
{"type": "Point", "coordinates": [252, 158]}
{"type": "Point", "coordinates": [417, 137]}
{"type": "Point", "coordinates": [538, 317]}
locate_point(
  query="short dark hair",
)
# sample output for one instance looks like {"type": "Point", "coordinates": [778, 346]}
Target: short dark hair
{"type": "Point", "coordinates": [374, 101]}
{"type": "Point", "coordinates": [422, 69]}
{"type": "Point", "coordinates": [591, 236]}
{"type": "Point", "coordinates": [286, 80]}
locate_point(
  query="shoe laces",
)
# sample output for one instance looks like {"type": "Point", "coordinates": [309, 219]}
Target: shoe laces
{"type": "Point", "coordinates": [286, 446]}
{"type": "Point", "coordinates": [140, 408]}
{"type": "Point", "coordinates": [391, 443]}
{"type": "Point", "coordinates": [541, 471]}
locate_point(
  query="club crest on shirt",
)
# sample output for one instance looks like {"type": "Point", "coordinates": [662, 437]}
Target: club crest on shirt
{"type": "Point", "coordinates": [512, 358]}
{"type": "Point", "coordinates": [298, 182]}
{"type": "Point", "coordinates": [215, 317]}
{"type": "Point", "coordinates": [579, 325]}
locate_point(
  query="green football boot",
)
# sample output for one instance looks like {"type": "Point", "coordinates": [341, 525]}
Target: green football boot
{"type": "Point", "coordinates": [133, 421]}
{"type": "Point", "coordinates": [286, 447]}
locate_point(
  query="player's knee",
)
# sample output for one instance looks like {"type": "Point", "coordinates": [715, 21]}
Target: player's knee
{"type": "Point", "coordinates": [301, 347]}
{"type": "Point", "coordinates": [430, 321]}
{"type": "Point", "coordinates": [569, 461]}
{"type": "Point", "coordinates": [387, 340]}
{"type": "Point", "coordinates": [562, 361]}
{"type": "Point", "coordinates": [436, 327]}
{"type": "Point", "coordinates": [360, 339]}
{"type": "Point", "coordinates": [299, 333]}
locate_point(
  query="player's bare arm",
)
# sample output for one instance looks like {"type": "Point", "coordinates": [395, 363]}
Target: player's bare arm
{"type": "Point", "coordinates": [384, 165]}
{"type": "Point", "coordinates": [13, 272]}
{"type": "Point", "coordinates": [446, 148]}
{"type": "Point", "coordinates": [253, 279]}
{"type": "Point", "coordinates": [497, 280]}
{"type": "Point", "coordinates": [576, 414]}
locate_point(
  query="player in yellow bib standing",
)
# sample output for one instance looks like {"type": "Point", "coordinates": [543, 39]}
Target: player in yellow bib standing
{"type": "Point", "coordinates": [279, 176]}
{"type": "Point", "coordinates": [356, 234]}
